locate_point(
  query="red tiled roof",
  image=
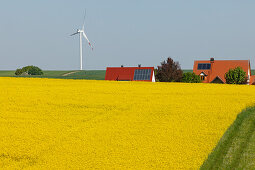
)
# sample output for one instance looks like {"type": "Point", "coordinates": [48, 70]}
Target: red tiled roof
{"type": "Point", "coordinates": [252, 79]}
{"type": "Point", "coordinates": [220, 67]}
{"type": "Point", "coordinates": [124, 73]}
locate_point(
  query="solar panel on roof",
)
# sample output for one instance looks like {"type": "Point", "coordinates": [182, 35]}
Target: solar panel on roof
{"type": "Point", "coordinates": [142, 74]}
{"type": "Point", "coordinates": [208, 66]}
{"type": "Point", "coordinates": [199, 67]}
{"type": "Point", "coordinates": [204, 66]}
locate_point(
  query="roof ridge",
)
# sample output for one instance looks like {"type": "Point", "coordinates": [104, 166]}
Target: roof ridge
{"type": "Point", "coordinates": [222, 60]}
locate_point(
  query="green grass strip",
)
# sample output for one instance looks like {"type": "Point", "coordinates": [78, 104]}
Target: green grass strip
{"type": "Point", "coordinates": [232, 147]}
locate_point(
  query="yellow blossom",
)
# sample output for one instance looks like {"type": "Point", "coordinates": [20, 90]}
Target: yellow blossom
{"type": "Point", "coordinates": [84, 124]}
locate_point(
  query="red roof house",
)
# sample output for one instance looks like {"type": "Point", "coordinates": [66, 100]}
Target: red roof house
{"type": "Point", "coordinates": [130, 74]}
{"type": "Point", "coordinates": [213, 71]}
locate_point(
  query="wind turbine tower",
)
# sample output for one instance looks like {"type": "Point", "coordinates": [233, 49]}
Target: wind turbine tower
{"type": "Point", "coordinates": [82, 34]}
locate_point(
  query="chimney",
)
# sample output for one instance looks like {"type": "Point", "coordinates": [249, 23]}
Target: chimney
{"type": "Point", "coordinates": [139, 65]}
{"type": "Point", "coordinates": [212, 60]}
{"type": "Point", "coordinates": [121, 66]}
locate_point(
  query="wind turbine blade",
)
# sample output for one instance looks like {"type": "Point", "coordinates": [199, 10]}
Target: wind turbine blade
{"type": "Point", "coordinates": [84, 20]}
{"type": "Point", "coordinates": [85, 36]}
{"type": "Point", "coordinates": [74, 34]}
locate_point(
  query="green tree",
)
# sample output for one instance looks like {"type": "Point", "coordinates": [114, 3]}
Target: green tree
{"type": "Point", "coordinates": [29, 70]}
{"type": "Point", "coordinates": [169, 71]}
{"type": "Point", "coordinates": [18, 72]}
{"type": "Point", "coordinates": [191, 78]}
{"type": "Point", "coordinates": [236, 76]}
{"type": "Point", "coordinates": [25, 69]}
{"type": "Point", "coordinates": [35, 71]}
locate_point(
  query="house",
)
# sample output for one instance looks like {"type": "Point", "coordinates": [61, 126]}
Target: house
{"type": "Point", "coordinates": [213, 71]}
{"type": "Point", "coordinates": [130, 73]}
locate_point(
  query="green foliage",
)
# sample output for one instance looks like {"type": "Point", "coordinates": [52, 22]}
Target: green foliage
{"type": "Point", "coordinates": [25, 69]}
{"type": "Point", "coordinates": [29, 70]}
{"type": "Point", "coordinates": [189, 77]}
{"type": "Point", "coordinates": [236, 76]}
{"type": "Point", "coordinates": [235, 149]}
{"type": "Point", "coordinates": [18, 72]}
{"type": "Point", "coordinates": [35, 71]}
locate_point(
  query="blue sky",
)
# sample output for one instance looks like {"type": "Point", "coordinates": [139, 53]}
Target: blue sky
{"type": "Point", "coordinates": [124, 32]}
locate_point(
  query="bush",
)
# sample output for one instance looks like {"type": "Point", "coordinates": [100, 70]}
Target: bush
{"type": "Point", "coordinates": [29, 70]}
{"type": "Point", "coordinates": [236, 76]}
{"type": "Point", "coordinates": [18, 72]}
{"type": "Point", "coordinates": [169, 71]}
{"type": "Point", "coordinates": [25, 69]}
{"type": "Point", "coordinates": [191, 78]}
{"type": "Point", "coordinates": [35, 71]}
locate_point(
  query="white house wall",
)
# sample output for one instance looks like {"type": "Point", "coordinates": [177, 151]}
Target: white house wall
{"type": "Point", "coordinates": [153, 77]}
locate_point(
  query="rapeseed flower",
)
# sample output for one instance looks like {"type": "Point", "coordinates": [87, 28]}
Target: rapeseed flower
{"type": "Point", "coordinates": [84, 124]}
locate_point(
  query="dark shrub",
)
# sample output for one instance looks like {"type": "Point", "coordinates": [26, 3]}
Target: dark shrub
{"type": "Point", "coordinates": [169, 71]}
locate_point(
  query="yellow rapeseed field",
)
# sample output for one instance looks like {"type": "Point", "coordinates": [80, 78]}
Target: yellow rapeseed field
{"type": "Point", "coordinates": [82, 124]}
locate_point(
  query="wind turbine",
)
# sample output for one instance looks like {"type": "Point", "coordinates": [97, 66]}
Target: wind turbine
{"type": "Point", "coordinates": [82, 33]}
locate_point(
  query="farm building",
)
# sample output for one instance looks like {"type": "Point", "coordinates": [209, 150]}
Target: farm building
{"type": "Point", "coordinates": [130, 73]}
{"type": "Point", "coordinates": [213, 71]}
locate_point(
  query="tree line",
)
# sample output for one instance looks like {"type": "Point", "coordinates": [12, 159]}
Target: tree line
{"type": "Point", "coordinates": [170, 71]}
{"type": "Point", "coordinates": [29, 70]}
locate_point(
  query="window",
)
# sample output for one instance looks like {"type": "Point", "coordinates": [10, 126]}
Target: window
{"type": "Point", "coordinates": [202, 76]}
{"type": "Point", "coordinates": [204, 66]}
{"type": "Point", "coordinates": [142, 74]}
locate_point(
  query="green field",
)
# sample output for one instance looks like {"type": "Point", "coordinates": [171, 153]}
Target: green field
{"type": "Point", "coordinates": [7, 73]}
{"type": "Point", "coordinates": [67, 74]}
{"type": "Point", "coordinates": [185, 71]}
{"type": "Point", "coordinates": [236, 149]}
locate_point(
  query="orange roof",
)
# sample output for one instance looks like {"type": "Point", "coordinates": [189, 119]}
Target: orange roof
{"type": "Point", "coordinates": [220, 67]}
{"type": "Point", "coordinates": [252, 79]}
